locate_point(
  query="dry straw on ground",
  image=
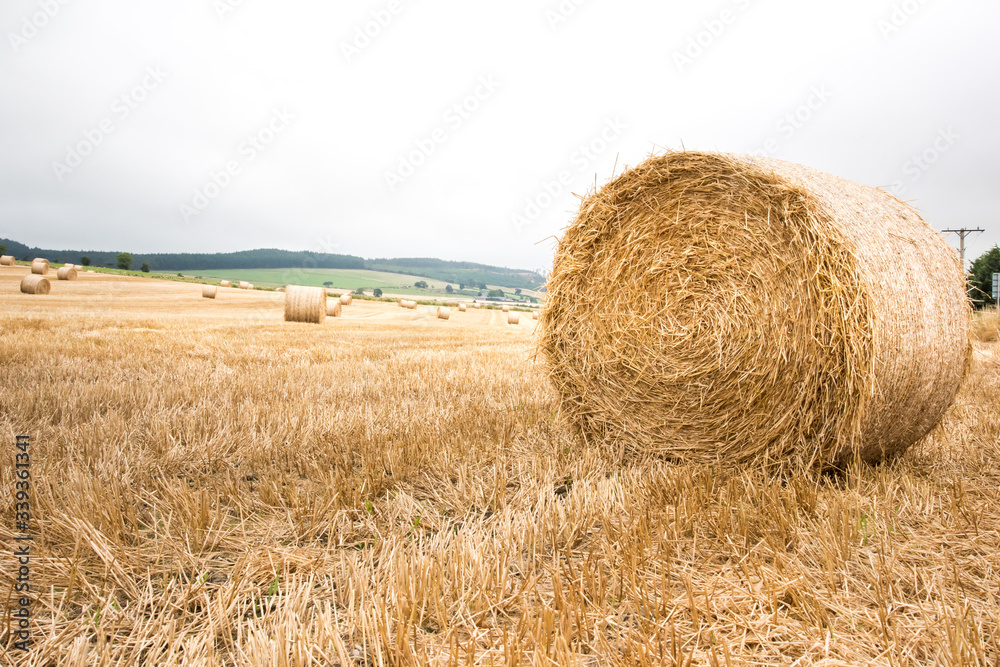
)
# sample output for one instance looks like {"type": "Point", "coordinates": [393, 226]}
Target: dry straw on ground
{"type": "Point", "coordinates": [346, 299]}
{"type": "Point", "coordinates": [710, 306]}
{"type": "Point", "coordinates": [40, 266]}
{"type": "Point", "coordinates": [986, 325]}
{"type": "Point", "coordinates": [6, 260]}
{"type": "Point", "coordinates": [226, 283]}
{"type": "Point", "coordinates": [209, 291]}
{"type": "Point", "coordinates": [305, 304]}
{"type": "Point", "coordinates": [443, 313]}
{"type": "Point", "coordinates": [35, 284]}
{"type": "Point", "coordinates": [67, 272]}
{"type": "Point", "coordinates": [513, 318]}
{"type": "Point", "coordinates": [333, 307]}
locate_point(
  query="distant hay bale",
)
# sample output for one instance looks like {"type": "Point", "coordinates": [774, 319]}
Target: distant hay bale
{"type": "Point", "coordinates": [35, 284]}
{"type": "Point", "coordinates": [250, 286]}
{"type": "Point", "coordinates": [209, 291]}
{"type": "Point", "coordinates": [6, 260]}
{"type": "Point", "coordinates": [444, 313]}
{"type": "Point", "coordinates": [346, 299]}
{"type": "Point", "coordinates": [40, 266]}
{"type": "Point", "coordinates": [534, 315]}
{"type": "Point", "coordinates": [506, 309]}
{"type": "Point", "coordinates": [78, 267]}
{"type": "Point", "coordinates": [412, 305]}
{"type": "Point", "coordinates": [708, 307]}
{"type": "Point", "coordinates": [513, 318]}
{"type": "Point", "coordinates": [476, 306]}
{"type": "Point", "coordinates": [399, 302]}
{"type": "Point", "coordinates": [305, 304]}
{"type": "Point", "coordinates": [244, 285]}
{"type": "Point", "coordinates": [226, 283]}
{"type": "Point", "coordinates": [333, 307]}
{"type": "Point", "coordinates": [66, 273]}
{"type": "Point", "coordinates": [461, 307]}
{"type": "Point", "coordinates": [280, 289]}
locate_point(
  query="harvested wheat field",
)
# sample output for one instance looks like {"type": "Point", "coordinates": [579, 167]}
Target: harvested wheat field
{"type": "Point", "coordinates": [215, 486]}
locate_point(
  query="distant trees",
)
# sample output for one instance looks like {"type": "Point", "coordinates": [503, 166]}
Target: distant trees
{"type": "Point", "coordinates": [518, 291]}
{"type": "Point", "coordinates": [981, 275]}
{"type": "Point", "coordinates": [359, 292]}
{"type": "Point", "coordinates": [377, 292]}
{"type": "Point", "coordinates": [422, 284]}
{"type": "Point", "coordinates": [124, 260]}
{"type": "Point", "coordinates": [461, 286]}
{"type": "Point", "coordinates": [3, 248]}
{"type": "Point", "coordinates": [483, 286]}
{"type": "Point", "coordinates": [495, 294]}
{"type": "Point", "coordinates": [145, 268]}
{"type": "Point", "coordinates": [449, 289]}
{"type": "Point", "coordinates": [328, 284]}
{"type": "Point", "coordinates": [85, 260]}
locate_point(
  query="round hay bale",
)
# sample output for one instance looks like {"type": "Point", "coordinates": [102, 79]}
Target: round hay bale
{"type": "Point", "coordinates": [513, 318]}
{"type": "Point", "coordinates": [346, 299]}
{"type": "Point", "coordinates": [708, 307]}
{"type": "Point", "coordinates": [399, 302]}
{"type": "Point", "coordinates": [78, 267]}
{"type": "Point", "coordinates": [67, 273]}
{"type": "Point", "coordinates": [506, 309]}
{"type": "Point", "coordinates": [333, 307]}
{"type": "Point", "coordinates": [209, 291]}
{"type": "Point", "coordinates": [250, 286]}
{"type": "Point", "coordinates": [6, 260]}
{"type": "Point", "coordinates": [35, 284]}
{"type": "Point", "coordinates": [412, 305]}
{"type": "Point", "coordinates": [534, 315]}
{"type": "Point", "coordinates": [476, 306]}
{"type": "Point", "coordinates": [40, 266]}
{"type": "Point", "coordinates": [462, 307]}
{"type": "Point", "coordinates": [305, 304]}
{"type": "Point", "coordinates": [244, 284]}
{"type": "Point", "coordinates": [444, 313]}
{"type": "Point", "coordinates": [226, 283]}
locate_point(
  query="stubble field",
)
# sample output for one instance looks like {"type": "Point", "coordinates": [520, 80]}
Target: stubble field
{"type": "Point", "coordinates": [214, 486]}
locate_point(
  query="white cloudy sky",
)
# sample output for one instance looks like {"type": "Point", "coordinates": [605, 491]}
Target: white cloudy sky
{"type": "Point", "coordinates": [361, 149]}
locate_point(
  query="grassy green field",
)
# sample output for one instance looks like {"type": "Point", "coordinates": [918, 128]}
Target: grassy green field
{"type": "Point", "coordinates": [350, 279]}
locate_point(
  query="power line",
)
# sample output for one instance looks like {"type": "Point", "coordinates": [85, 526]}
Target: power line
{"type": "Point", "coordinates": [962, 233]}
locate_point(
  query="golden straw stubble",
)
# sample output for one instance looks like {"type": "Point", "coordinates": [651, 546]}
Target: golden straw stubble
{"type": "Point", "coordinates": [708, 307]}
{"type": "Point", "coordinates": [35, 284]}
{"type": "Point", "coordinates": [305, 304]}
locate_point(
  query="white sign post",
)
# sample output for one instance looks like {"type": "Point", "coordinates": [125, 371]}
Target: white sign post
{"type": "Point", "coordinates": [996, 286]}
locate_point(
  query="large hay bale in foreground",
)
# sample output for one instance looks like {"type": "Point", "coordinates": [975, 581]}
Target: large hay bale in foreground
{"type": "Point", "coordinates": [7, 260]}
{"type": "Point", "coordinates": [709, 307]}
{"type": "Point", "coordinates": [209, 291]}
{"type": "Point", "coordinates": [305, 304]}
{"type": "Point", "coordinates": [40, 266]}
{"type": "Point", "coordinates": [333, 307]}
{"type": "Point", "coordinates": [66, 273]}
{"type": "Point", "coordinates": [35, 284]}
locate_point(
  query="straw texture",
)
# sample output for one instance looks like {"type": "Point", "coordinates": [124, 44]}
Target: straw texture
{"type": "Point", "coordinates": [305, 304]}
{"type": "Point", "coordinates": [209, 291]}
{"type": "Point", "coordinates": [66, 273]}
{"type": "Point", "coordinates": [346, 299]}
{"type": "Point", "coordinates": [708, 307]}
{"type": "Point", "coordinates": [513, 318]}
{"type": "Point", "coordinates": [333, 307]}
{"type": "Point", "coordinates": [40, 266]}
{"type": "Point", "coordinates": [35, 284]}
{"type": "Point", "coordinates": [444, 313]}
{"type": "Point", "coordinates": [6, 260]}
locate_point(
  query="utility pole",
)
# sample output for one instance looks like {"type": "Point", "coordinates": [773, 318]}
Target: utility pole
{"type": "Point", "coordinates": [962, 233]}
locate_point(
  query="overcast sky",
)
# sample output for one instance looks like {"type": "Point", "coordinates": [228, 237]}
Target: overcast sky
{"type": "Point", "coordinates": [462, 130]}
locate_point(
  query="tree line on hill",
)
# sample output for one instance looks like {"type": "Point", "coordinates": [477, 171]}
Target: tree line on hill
{"type": "Point", "coordinates": [273, 258]}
